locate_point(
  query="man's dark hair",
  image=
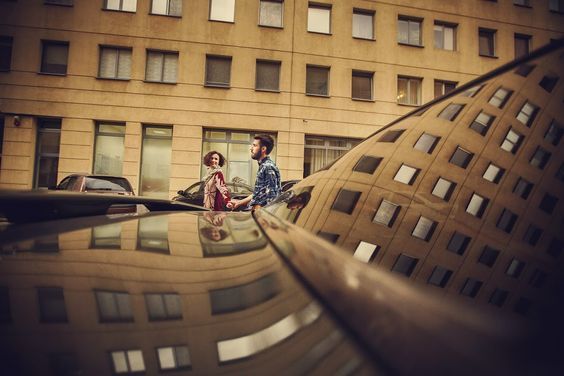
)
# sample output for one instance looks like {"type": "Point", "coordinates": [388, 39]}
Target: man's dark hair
{"type": "Point", "coordinates": [266, 141]}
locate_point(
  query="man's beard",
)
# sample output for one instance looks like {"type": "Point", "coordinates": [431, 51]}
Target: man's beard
{"type": "Point", "coordinates": [256, 156]}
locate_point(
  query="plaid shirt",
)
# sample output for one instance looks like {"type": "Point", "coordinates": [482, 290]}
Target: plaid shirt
{"type": "Point", "coordinates": [267, 185]}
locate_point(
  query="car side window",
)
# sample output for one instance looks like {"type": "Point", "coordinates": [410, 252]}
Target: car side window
{"type": "Point", "coordinates": [194, 188]}
{"type": "Point", "coordinates": [64, 184]}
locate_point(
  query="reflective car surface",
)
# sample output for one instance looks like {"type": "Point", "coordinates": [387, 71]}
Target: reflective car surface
{"type": "Point", "coordinates": [194, 194]}
{"type": "Point", "coordinates": [96, 183]}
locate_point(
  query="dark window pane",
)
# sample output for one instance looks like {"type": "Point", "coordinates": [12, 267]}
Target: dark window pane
{"type": "Point", "coordinates": [451, 111]}
{"type": "Point", "coordinates": [367, 164]}
{"type": "Point", "coordinates": [241, 297]}
{"type": "Point", "coordinates": [523, 188]}
{"type": "Point", "coordinates": [554, 133]}
{"type": "Point", "coordinates": [426, 143]}
{"type": "Point", "coordinates": [555, 247]}
{"type": "Point", "coordinates": [458, 243]}
{"type": "Point", "coordinates": [391, 136]}
{"type": "Point", "coordinates": [522, 306]}
{"type": "Point", "coordinates": [488, 256]}
{"type": "Point", "coordinates": [163, 306]}
{"type": "Point", "coordinates": [548, 203]}
{"type": "Point", "coordinates": [317, 80]}
{"type": "Point", "coordinates": [524, 69]}
{"type": "Point", "coordinates": [268, 75]}
{"type": "Point", "coordinates": [515, 268]}
{"type": "Point", "coordinates": [5, 53]}
{"type": "Point", "coordinates": [482, 122]}
{"type": "Point", "coordinates": [506, 220]}
{"type": "Point", "coordinates": [498, 297]}
{"type": "Point", "coordinates": [52, 305]}
{"type": "Point", "coordinates": [548, 82]}
{"type": "Point", "coordinates": [332, 238]}
{"type": "Point", "coordinates": [440, 276]}
{"type": "Point", "coordinates": [218, 70]}
{"type": "Point", "coordinates": [405, 264]}
{"type": "Point", "coordinates": [5, 311]}
{"type": "Point", "coordinates": [346, 201]}
{"type": "Point", "coordinates": [532, 235]}
{"type": "Point", "coordinates": [54, 57]}
{"type": "Point", "coordinates": [538, 278]}
{"type": "Point", "coordinates": [471, 287]}
{"type": "Point", "coordinates": [64, 364]}
{"type": "Point", "coordinates": [461, 157]}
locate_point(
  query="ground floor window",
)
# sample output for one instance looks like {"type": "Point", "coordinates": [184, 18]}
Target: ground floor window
{"type": "Point", "coordinates": [47, 153]}
{"type": "Point", "coordinates": [235, 147]}
{"type": "Point", "coordinates": [320, 151]}
{"type": "Point", "coordinates": [155, 161]}
{"type": "Point", "coordinates": [108, 150]}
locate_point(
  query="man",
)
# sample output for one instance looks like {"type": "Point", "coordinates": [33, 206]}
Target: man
{"type": "Point", "coordinates": [267, 184]}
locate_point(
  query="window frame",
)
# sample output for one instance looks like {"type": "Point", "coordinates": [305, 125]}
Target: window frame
{"type": "Point", "coordinates": [120, 7]}
{"type": "Point", "coordinates": [281, 2]}
{"type": "Point", "coordinates": [168, 4]}
{"type": "Point", "coordinates": [410, 20]}
{"type": "Point", "coordinates": [327, 70]}
{"type": "Point", "coordinates": [390, 219]}
{"type": "Point", "coordinates": [410, 80]}
{"type": "Point", "coordinates": [490, 37]}
{"type": "Point", "coordinates": [209, 59]}
{"type": "Point", "coordinates": [444, 25]}
{"type": "Point", "coordinates": [276, 63]}
{"type": "Point", "coordinates": [174, 349]}
{"type": "Point", "coordinates": [45, 43]}
{"type": "Point", "coordinates": [362, 74]}
{"type": "Point", "coordinates": [226, 20]}
{"type": "Point", "coordinates": [162, 56]}
{"type": "Point", "coordinates": [364, 12]}
{"type": "Point", "coordinates": [324, 6]}
{"type": "Point", "coordinates": [6, 50]}
{"type": "Point", "coordinates": [119, 50]}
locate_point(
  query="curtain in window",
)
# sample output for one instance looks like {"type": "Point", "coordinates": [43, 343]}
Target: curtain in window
{"type": "Point", "coordinates": [268, 74]}
{"type": "Point", "coordinates": [317, 80]}
{"type": "Point", "coordinates": [218, 71]}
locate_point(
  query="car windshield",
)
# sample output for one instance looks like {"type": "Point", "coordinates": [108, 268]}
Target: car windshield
{"type": "Point", "coordinates": [194, 188]}
{"type": "Point", "coordinates": [107, 184]}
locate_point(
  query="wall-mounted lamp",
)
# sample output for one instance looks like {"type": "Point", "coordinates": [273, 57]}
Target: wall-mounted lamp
{"type": "Point", "coordinates": [17, 121]}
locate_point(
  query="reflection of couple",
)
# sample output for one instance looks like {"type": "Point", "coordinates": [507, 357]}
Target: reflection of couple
{"type": "Point", "coordinates": [214, 232]}
{"type": "Point", "coordinates": [216, 193]}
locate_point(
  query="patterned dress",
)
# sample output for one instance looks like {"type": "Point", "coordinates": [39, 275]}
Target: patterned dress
{"type": "Point", "coordinates": [216, 193]}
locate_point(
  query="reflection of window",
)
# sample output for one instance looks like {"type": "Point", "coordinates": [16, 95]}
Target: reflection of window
{"type": "Point", "coordinates": [317, 80]}
{"type": "Point", "coordinates": [268, 75]}
{"type": "Point", "coordinates": [506, 220]}
{"type": "Point", "coordinates": [330, 237]}
{"type": "Point", "coordinates": [451, 111]}
{"type": "Point", "coordinates": [409, 90]}
{"type": "Point", "coordinates": [522, 306]}
{"type": "Point", "coordinates": [409, 31]}
{"type": "Point", "coordinates": [345, 201]}
{"type": "Point", "coordinates": [498, 297]}
{"type": "Point", "coordinates": [406, 174]}
{"type": "Point", "coordinates": [320, 151]}
{"type": "Point", "coordinates": [167, 7]}
{"type": "Point", "coordinates": [363, 24]}
{"type": "Point", "coordinates": [472, 91]}
{"type": "Point", "coordinates": [493, 173]}
{"type": "Point", "coordinates": [540, 158]}
{"type": "Point", "coordinates": [64, 364]}
{"type": "Point", "coordinates": [515, 268]}
{"type": "Point", "coordinates": [52, 305]}
{"type": "Point", "coordinates": [440, 276]}
{"type": "Point", "coordinates": [49, 243]}
{"type": "Point", "coordinates": [222, 10]}
{"type": "Point", "coordinates": [121, 5]}
{"type": "Point", "coordinates": [522, 45]}
{"type": "Point", "coordinates": [486, 41]}
{"type": "Point", "coordinates": [115, 63]}
{"type": "Point", "coordinates": [405, 264]}
{"type": "Point", "coordinates": [477, 205]}
{"type": "Point", "coordinates": [458, 243]}
{"type": "Point", "coordinates": [127, 361]}
{"type": "Point", "coordinates": [386, 213]}
{"type": "Point", "coordinates": [471, 287]}
{"type": "Point", "coordinates": [443, 87]}
{"type": "Point", "coordinates": [107, 236]}
{"type": "Point", "coordinates": [443, 189]}
{"type": "Point", "coordinates": [548, 203]}
{"type": "Point", "coordinates": [108, 149]}
{"type": "Point", "coordinates": [524, 69]}
{"type": "Point", "coordinates": [527, 113]}
{"type": "Point", "coordinates": [155, 161]}
{"type": "Point", "coordinates": [532, 235]}
{"type": "Point", "coordinates": [548, 82]}
{"type": "Point", "coordinates": [500, 97]}
{"type": "Point", "coordinates": [512, 141]}
{"type": "Point", "coordinates": [538, 278]}
{"type": "Point", "coordinates": [366, 252]}
{"type": "Point", "coordinates": [560, 173]}
{"type": "Point", "coordinates": [555, 247]}
{"type": "Point", "coordinates": [445, 36]}
{"type": "Point", "coordinates": [556, 6]}
{"type": "Point", "coordinates": [554, 133]}
{"type": "Point", "coordinates": [163, 306]}
{"type": "Point", "coordinates": [47, 153]}
{"type": "Point", "coordinates": [391, 136]}
{"type": "Point", "coordinates": [482, 122]}
{"type": "Point", "coordinates": [362, 85]}
{"type": "Point", "coordinates": [218, 71]}
{"type": "Point", "coordinates": [461, 157]}
{"type": "Point", "coordinates": [367, 164]}
{"type": "Point", "coordinates": [153, 234]}
{"type": "Point", "coordinates": [114, 306]}
{"type": "Point", "coordinates": [525, 3]}
{"type": "Point", "coordinates": [161, 66]}
{"type": "Point", "coordinates": [5, 311]}
{"type": "Point", "coordinates": [271, 13]}
{"type": "Point", "coordinates": [522, 188]}
{"type": "Point", "coordinates": [426, 143]}
{"type": "Point", "coordinates": [54, 57]}
{"type": "Point", "coordinates": [424, 228]}
{"type": "Point", "coordinates": [59, 2]}
{"type": "Point", "coordinates": [245, 296]}
{"type": "Point", "coordinates": [319, 18]}
{"type": "Point", "coordinates": [174, 358]}
{"type": "Point", "coordinates": [6, 53]}
{"type": "Point", "coordinates": [488, 256]}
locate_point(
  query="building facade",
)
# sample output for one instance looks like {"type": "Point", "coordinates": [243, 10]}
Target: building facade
{"type": "Point", "coordinates": [144, 88]}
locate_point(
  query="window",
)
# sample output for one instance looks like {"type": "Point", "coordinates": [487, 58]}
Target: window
{"type": "Point", "coordinates": [486, 41]}
{"type": "Point", "coordinates": [362, 85]}
{"type": "Point", "coordinates": [405, 265]}
{"type": "Point", "coordinates": [47, 153]}
{"type": "Point", "coordinates": [387, 213]}
{"type": "Point", "coordinates": [218, 71]}
{"type": "Point", "coordinates": [59, 2]}
{"type": "Point", "coordinates": [443, 189]}
{"type": "Point", "coordinates": [540, 158]}
{"type": "Point", "coordinates": [106, 237]}
{"type": "Point", "coordinates": [506, 220]}
{"type": "Point", "coordinates": [440, 276]}
{"type": "Point", "coordinates": [167, 7]}
{"type": "Point", "coordinates": [330, 237]}
{"type": "Point", "coordinates": [527, 113]}
{"type": "Point", "coordinates": [114, 306]}
{"type": "Point", "coordinates": [52, 305]}
{"type": "Point", "coordinates": [409, 31]}
{"type": "Point", "coordinates": [391, 136]}
{"type": "Point", "coordinates": [548, 82]}
{"type": "Point", "coordinates": [522, 306]}
{"type": "Point", "coordinates": [524, 69]}
{"type": "Point", "coordinates": [458, 243]}
{"type": "Point", "coordinates": [319, 18]}
{"type": "Point", "coordinates": [512, 141]}
{"type": "Point", "coordinates": [222, 10]}
{"type": "Point", "coordinates": [127, 361]}
{"type": "Point", "coordinates": [522, 45]}
{"type": "Point", "coordinates": [515, 268]}
{"type": "Point", "coordinates": [445, 36]}
{"type": "Point", "coordinates": [471, 287]}
{"type": "Point", "coordinates": [121, 5]}
{"type": "Point", "coordinates": [461, 157]}
{"type": "Point", "coordinates": [406, 174]}
{"type": "Point", "coordinates": [525, 3]}
{"type": "Point", "coordinates": [152, 235]}
{"type": "Point", "coordinates": [424, 229]}
{"type": "Point", "coordinates": [155, 161]}
{"type": "Point", "coordinates": [482, 122]}
{"type": "Point", "coordinates": [548, 203]}
{"type": "Point", "coordinates": [498, 297]}
{"type": "Point", "coordinates": [54, 57]}
{"type": "Point", "coordinates": [556, 6]}
{"type": "Point", "coordinates": [64, 364]}
{"type": "Point", "coordinates": [472, 91]}
{"type": "Point", "coordinates": [555, 247]}
{"type": "Point", "coordinates": [321, 151]}
{"type": "Point", "coordinates": [161, 66]}
{"type": "Point", "coordinates": [409, 90]}
{"type": "Point", "coordinates": [500, 97]}
{"type": "Point", "coordinates": [477, 205]}
{"type": "Point", "coordinates": [6, 43]}
{"type": "Point", "coordinates": [245, 296]}
{"type": "Point", "coordinates": [317, 80]}
{"type": "Point", "coordinates": [426, 143]}
{"type": "Point", "coordinates": [363, 24]}
{"type": "Point", "coordinates": [560, 172]}
{"type": "Point", "coordinates": [532, 235]}
{"type": "Point", "coordinates": [538, 278]}
{"type": "Point", "coordinates": [522, 188]}
{"type": "Point", "coordinates": [268, 75]}
{"type": "Point", "coordinates": [493, 173]}
{"type": "Point", "coordinates": [271, 13]}
{"type": "Point", "coordinates": [5, 311]}
{"type": "Point", "coordinates": [109, 149]}
{"type": "Point", "coordinates": [345, 201]}
{"type": "Point", "coordinates": [367, 164]}
{"type": "Point", "coordinates": [443, 87]}
{"type": "Point", "coordinates": [451, 111]}
{"type": "Point", "coordinates": [115, 63]}
{"type": "Point", "coordinates": [488, 256]}
{"type": "Point", "coordinates": [554, 133]}
{"type": "Point", "coordinates": [163, 306]}
{"type": "Point", "coordinates": [366, 252]}
{"type": "Point", "coordinates": [174, 358]}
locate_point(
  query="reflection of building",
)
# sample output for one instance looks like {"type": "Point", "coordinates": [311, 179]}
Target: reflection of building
{"type": "Point", "coordinates": [112, 307]}
{"type": "Point", "coordinates": [465, 196]}
{"type": "Point", "coordinates": [162, 85]}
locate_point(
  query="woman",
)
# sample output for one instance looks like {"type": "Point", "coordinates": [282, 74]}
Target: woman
{"type": "Point", "coordinates": [216, 193]}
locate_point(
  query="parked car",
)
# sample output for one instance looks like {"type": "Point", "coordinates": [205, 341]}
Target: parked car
{"type": "Point", "coordinates": [96, 184]}
{"type": "Point", "coordinates": [288, 184]}
{"type": "Point", "coordinates": [194, 194]}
